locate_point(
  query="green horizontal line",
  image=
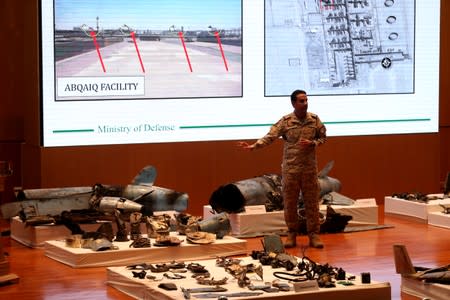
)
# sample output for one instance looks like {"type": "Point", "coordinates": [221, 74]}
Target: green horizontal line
{"type": "Point", "coordinates": [336, 122]}
{"type": "Point", "coordinates": [379, 121]}
{"type": "Point", "coordinates": [73, 130]}
{"type": "Point", "coordinates": [224, 126]}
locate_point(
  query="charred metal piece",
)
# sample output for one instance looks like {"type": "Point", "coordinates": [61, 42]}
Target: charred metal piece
{"type": "Point", "coordinates": [259, 287]}
{"type": "Point", "coordinates": [110, 204]}
{"type": "Point", "coordinates": [158, 225]}
{"type": "Point", "coordinates": [196, 268]}
{"type": "Point", "coordinates": [228, 295]}
{"type": "Point", "coordinates": [39, 220]}
{"type": "Point", "coordinates": [271, 289]}
{"type": "Point", "coordinates": [98, 240]}
{"type": "Point", "coordinates": [310, 270]}
{"type": "Point", "coordinates": [272, 244]}
{"type": "Point", "coordinates": [187, 292]}
{"type": "Point", "coordinates": [333, 222]}
{"type": "Point", "coordinates": [340, 275]}
{"type": "Point", "coordinates": [325, 281]}
{"type": "Point", "coordinates": [176, 265]}
{"type": "Point", "coordinates": [200, 237]}
{"type": "Point", "coordinates": [417, 197]}
{"type": "Point", "coordinates": [135, 225]}
{"type": "Point", "coordinates": [153, 278]}
{"type": "Point", "coordinates": [29, 215]}
{"type": "Point", "coordinates": [178, 270]}
{"type": "Point", "coordinates": [158, 268]}
{"type": "Point", "coordinates": [187, 223]}
{"type": "Point", "coordinates": [276, 260]}
{"type": "Point", "coordinates": [106, 230]}
{"type": "Point", "coordinates": [100, 244]}
{"type": "Point", "coordinates": [204, 281]}
{"type": "Point", "coordinates": [169, 286]}
{"type": "Point", "coordinates": [334, 198]}
{"type": "Point", "coordinates": [239, 272]}
{"type": "Point", "coordinates": [287, 264]}
{"type": "Point", "coordinates": [204, 275]}
{"type": "Point", "coordinates": [174, 276]}
{"type": "Point", "coordinates": [140, 274]}
{"type": "Point", "coordinates": [74, 241]}
{"type": "Point", "coordinates": [219, 224]}
{"type": "Point", "coordinates": [122, 233]}
{"type": "Point", "coordinates": [141, 242]}
{"type": "Point", "coordinates": [167, 240]}
{"type": "Point", "coordinates": [226, 261]}
{"type": "Point", "coordinates": [365, 277]}
{"type": "Point", "coordinates": [345, 282]}
{"type": "Point", "coordinates": [142, 266]}
{"type": "Point", "coordinates": [282, 286]}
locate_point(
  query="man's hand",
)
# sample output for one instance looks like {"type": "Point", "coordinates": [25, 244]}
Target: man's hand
{"type": "Point", "coordinates": [246, 146]}
{"type": "Point", "coordinates": [304, 143]}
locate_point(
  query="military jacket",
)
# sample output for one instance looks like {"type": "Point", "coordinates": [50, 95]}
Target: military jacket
{"type": "Point", "coordinates": [292, 129]}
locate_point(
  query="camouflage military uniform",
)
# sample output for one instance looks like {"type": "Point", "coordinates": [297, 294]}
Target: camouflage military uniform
{"type": "Point", "coordinates": [299, 168]}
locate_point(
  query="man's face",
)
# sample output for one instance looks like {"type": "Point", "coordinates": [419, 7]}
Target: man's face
{"type": "Point", "coordinates": [301, 103]}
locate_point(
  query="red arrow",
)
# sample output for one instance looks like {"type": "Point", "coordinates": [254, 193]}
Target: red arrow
{"type": "Point", "coordinates": [133, 36]}
{"type": "Point", "coordinates": [221, 50]}
{"type": "Point", "coordinates": [94, 38]}
{"type": "Point", "coordinates": [180, 34]}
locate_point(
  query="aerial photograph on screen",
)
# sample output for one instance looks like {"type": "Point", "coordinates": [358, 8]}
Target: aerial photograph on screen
{"type": "Point", "coordinates": [147, 49]}
{"type": "Point", "coordinates": [339, 46]}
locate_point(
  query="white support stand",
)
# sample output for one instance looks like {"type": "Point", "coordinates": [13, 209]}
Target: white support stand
{"type": "Point", "coordinates": [122, 279]}
{"type": "Point", "coordinates": [414, 209]}
{"type": "Point", "coordinates": [81, 257]}
{"type": "Point", "coordinates": [250, 224]}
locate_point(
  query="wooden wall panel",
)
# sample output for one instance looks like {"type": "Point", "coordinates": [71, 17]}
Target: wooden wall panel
{"type": "Point", "coordinates": [11, 85]}
{"type": "Point", "coordinates": [368, 166]}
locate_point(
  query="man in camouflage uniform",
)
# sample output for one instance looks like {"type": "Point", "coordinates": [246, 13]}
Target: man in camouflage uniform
{"type": "Point", "coordinates": [302, 133]}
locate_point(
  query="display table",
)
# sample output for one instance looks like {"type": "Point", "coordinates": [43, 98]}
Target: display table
{"type": "Point", "coordinates": [36, 236]}
{"type": "Point", "coordinates": [257, 224]}
{"type": "Point", "coordinates": [80, 257]}
{"type": "Point", "coordinates": [439, 219]}
{"type": "Point", "coordinates": [122, 279]}
{"type": "Point", "coordinates": [417, 210]}
{"type": "Point", "coordinates": [423, 290]}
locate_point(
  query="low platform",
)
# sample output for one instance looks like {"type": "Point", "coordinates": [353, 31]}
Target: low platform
{"type": "Point", "coordinates": [81, 258]}
{"type": "Point", "coordinates": [439, 219]}
{"type": "Point", "coordinates": [36, 236]}
{"type": "Point", "coordinates": [365, 211]}
{"type": "Point", "coordinates": [423, 290]}
{"type": "Point", "coordinates": [414, 209]}
{"type": "Point", "coordinates": [123, 280]}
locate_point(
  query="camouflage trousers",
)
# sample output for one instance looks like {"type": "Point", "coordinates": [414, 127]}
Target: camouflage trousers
{"type": "Point", "coordinates": [308, 184]}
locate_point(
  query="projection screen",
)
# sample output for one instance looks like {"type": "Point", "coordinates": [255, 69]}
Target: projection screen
{"type": "Point", "coordinates": [153, 71]}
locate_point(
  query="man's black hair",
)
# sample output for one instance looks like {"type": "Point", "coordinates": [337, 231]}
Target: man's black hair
{"type": "Point", "coordinates": [295, 93]}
